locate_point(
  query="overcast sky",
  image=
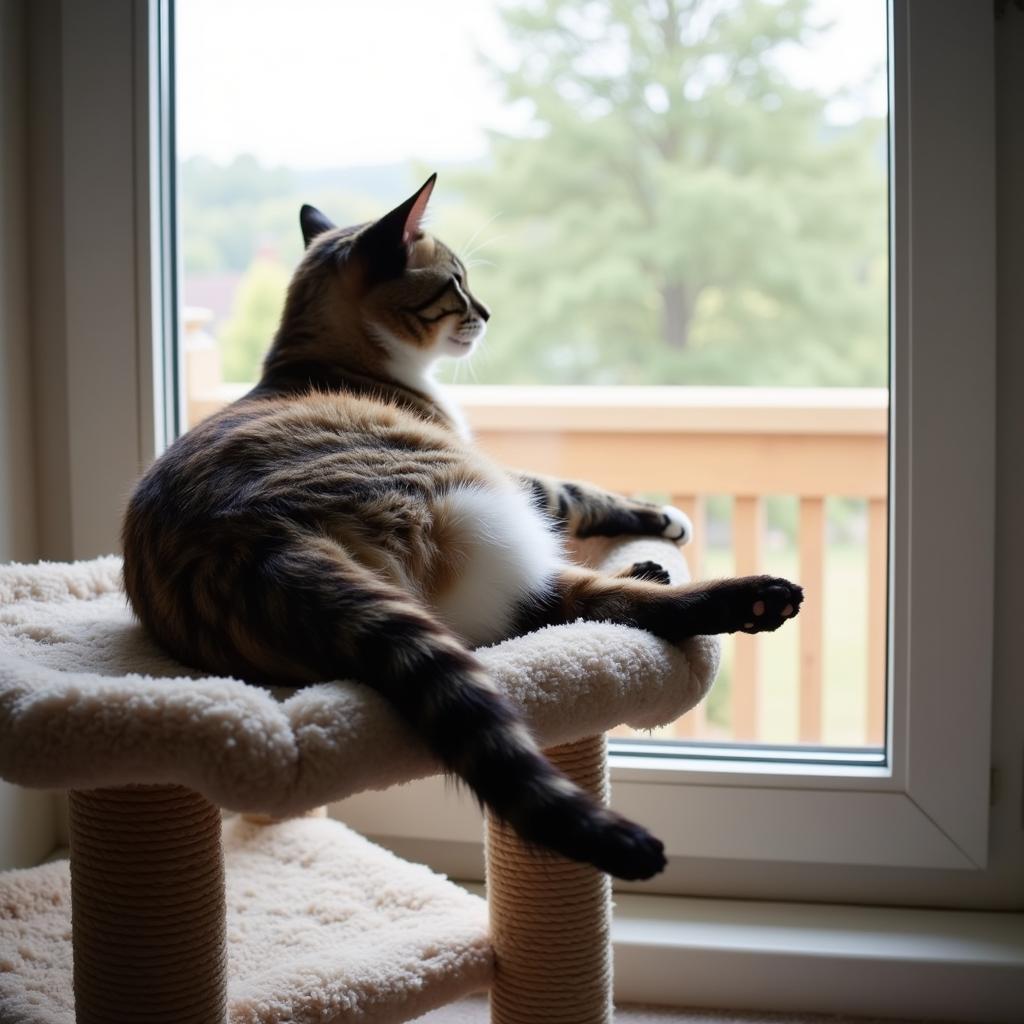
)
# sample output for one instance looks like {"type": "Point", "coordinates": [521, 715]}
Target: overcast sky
{"type": "Point", "coordinates": [332, 83]}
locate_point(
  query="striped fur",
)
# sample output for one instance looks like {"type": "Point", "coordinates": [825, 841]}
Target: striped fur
{"type": "Point", "coordinates": [337, 523]}
{"type": "Point", "coordinates": [583, 510]}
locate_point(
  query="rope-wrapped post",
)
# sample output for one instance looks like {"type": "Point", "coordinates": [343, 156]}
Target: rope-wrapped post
{"type": "Point", "coordinates": [551, 917]}
{"type": "Point", "coordinates": [148, 907]}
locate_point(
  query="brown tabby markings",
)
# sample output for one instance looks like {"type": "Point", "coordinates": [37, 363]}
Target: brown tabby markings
{"type": "Point", "coordinates": [336, 523]}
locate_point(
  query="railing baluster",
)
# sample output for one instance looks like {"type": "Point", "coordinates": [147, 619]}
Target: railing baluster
{"type": "Point", "coordinates": [693, 725]}
{"type": "Point", "coordinates": [693, 506]}
{"type": "Point", "coordinates": [878, 525]}
{"type": "Point", "coordinates": [812, 579]}
{"type": "Point", "coordinates": [746, 535]}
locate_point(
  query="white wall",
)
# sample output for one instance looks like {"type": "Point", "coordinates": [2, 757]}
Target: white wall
{"type": "Point", "coordinates": [17, 486]}
{"type": "Point", "coordinates": [27, 830]}
{"type": "Point", "coordinates": [1008, 708]}
{"type": "Point", "coordinates": [47, 302]}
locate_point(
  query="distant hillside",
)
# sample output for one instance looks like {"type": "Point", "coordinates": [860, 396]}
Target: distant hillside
{"type": "Point", "coordinates": [381, 181]}
{"type": "Point", "coordinates": [209, 184]}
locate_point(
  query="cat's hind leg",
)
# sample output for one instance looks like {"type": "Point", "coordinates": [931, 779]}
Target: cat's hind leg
{"type": "Point", "coordinates": [337, 619]}
{"type": "Point", "coordinates": [748, 604]}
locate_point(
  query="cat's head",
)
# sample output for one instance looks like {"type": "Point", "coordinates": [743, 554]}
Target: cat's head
{"type": "Point", "coordinates": [402, 289]}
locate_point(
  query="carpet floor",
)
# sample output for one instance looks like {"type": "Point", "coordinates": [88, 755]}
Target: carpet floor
{"type": "Point", "coordinates": [474, 1011]}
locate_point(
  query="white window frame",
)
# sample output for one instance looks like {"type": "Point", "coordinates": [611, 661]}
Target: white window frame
{"type": "Point", "coordinates": [929, 807]}
{"type": "Point", "coordinates": [102, 296]}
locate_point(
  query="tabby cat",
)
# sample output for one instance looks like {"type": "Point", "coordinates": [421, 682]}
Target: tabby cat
{"type": "Point", "coordinates": [336, 522]}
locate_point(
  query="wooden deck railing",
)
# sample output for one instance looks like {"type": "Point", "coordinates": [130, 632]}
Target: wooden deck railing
{"type": "Point", "coordinates": [689, 443]}
{"type": "Point", "coordinates": [749, 443]}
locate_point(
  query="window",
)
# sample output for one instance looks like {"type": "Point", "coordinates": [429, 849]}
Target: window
{"type": "Point", "coordinates": [926, 806]}
{"type": "Point", "coordinates": [694, 199]}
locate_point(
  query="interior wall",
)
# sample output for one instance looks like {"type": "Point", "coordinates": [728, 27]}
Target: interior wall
{"type": "Point", "coordinates": [17, 486]}
{"type": "Point", "coordinates": [1008, 706]}
{"type": "Point", "coordinates": [27, 829]}
{"type": "Point", "coordinates": [47, 312]}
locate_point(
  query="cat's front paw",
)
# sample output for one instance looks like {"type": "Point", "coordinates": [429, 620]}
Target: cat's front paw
{"type": "Point", "coordinates": [652, 572]}
{"type": "Point", "coordinates": [676, 524]}
{"type": "Point", "coordinates": [760, 604]}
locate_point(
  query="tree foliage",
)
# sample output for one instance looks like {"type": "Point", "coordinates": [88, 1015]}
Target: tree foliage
{"type": "Point", "coordinates": [678, 210]}
{"type": "Point", "coordinates": [674, 210]}
{"type": "Point", "coordinates": [245, 337]}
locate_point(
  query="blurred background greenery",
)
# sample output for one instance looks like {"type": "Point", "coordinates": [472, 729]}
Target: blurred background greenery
{"type": "Point", "coordinates": [661, 194]}
{"type": "Point", "coordinates": [674, 208]}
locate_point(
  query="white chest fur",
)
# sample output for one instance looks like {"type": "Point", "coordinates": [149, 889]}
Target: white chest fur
{"type": "Point", "coordinates": [504, 550]}
{"type": "Point", "coordinates": [414, 368]}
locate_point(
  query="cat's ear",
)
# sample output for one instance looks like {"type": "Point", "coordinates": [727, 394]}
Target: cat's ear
{"type": "Point", "coordinates": [410, 214]}
{"type": "Point", "coordinates": [313, 223]}
{"type": "Point", "coordinates": [385, 244]}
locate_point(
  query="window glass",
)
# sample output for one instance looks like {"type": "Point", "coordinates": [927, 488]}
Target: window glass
{"type": "Point", "coordinates": [677, 211]}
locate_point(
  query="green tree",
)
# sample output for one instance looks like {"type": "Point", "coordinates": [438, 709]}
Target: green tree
{"type": "Point", "coordinates": [246, 335]}
{"type": "Point", "coordinates": [678, 210]}
{"type": "Point", "coordinates": [229, 212]}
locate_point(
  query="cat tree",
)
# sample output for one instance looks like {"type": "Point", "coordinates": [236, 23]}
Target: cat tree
{"type": "Point", "coordinates": [281, 914]}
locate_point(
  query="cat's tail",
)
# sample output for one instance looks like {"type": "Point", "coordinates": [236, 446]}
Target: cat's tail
{"type": "Point", "coordinates": [342, 621]}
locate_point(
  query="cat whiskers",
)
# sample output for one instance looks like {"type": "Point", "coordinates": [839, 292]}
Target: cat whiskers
{"type": "Point", "coordinates": [470, 360]}
{"type": "Point", "coordinates": [483, 245]}
{"type": "Point", "coordinates": [472, 238]}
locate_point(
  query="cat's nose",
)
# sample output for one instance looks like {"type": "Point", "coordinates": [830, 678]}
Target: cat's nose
{"type": "Point", "coordinates": [481, 311]}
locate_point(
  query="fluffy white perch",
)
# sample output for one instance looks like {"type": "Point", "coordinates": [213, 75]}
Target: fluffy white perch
{"type": "Point", "coordinates": [323, 926]}
{"type": "Point", "coordinates": [87, 700]}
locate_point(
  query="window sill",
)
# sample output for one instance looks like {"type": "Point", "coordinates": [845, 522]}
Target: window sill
{"type": "Point", "coordinates": [814, 958]}
{"type": "Point", "coordinates": [946, 965]}
{"type": "Point", "coordinates": [964, 966]}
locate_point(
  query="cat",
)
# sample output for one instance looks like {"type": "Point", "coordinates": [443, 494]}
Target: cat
{"type": "Point", "coordinates": [336, 522]}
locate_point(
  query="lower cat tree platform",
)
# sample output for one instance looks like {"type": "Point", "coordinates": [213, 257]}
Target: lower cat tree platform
{"type": "Point", "coordinates": [168, 915]}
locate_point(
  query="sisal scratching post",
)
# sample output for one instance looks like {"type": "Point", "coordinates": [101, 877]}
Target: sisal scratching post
{"type": "Point", "coordinates": [551, 917]}
{"type": "Point", "coordinates": [147, 907]}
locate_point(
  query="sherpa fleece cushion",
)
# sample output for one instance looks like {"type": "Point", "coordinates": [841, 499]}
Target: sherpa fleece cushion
{"type": "Point", "coordinates": [322, 926]}
{"type": "Point", "coordinates": [87, 700]}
